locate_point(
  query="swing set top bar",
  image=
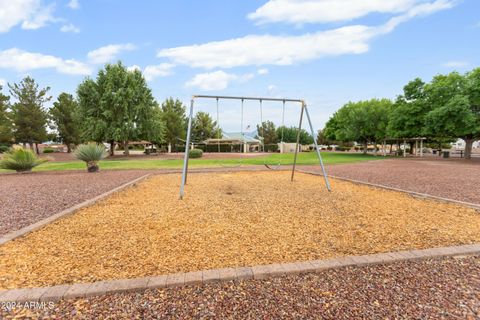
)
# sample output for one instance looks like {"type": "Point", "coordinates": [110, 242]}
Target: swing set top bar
{"type": "Point", "coordinates": [248, 98]}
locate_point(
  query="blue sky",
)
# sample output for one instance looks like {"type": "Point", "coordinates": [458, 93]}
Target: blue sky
{"type": "Point", "coordinates": [326, 51]}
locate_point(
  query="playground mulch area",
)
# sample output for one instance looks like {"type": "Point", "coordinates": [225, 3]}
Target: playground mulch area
{"type": "Point", "coordinates": [453, 179]}
{"type": "Point", "coordinates": [31, 197]}
{"type": "Point", "coordinates": [227, 220]}
{"type": "Point", "coordinates": [446, 288]}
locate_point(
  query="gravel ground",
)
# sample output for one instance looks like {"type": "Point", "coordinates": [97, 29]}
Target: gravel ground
{"type": "Point", "coordinates": [454, 179]}
{"type": "Point", "coordinates": [228, 220]}
{"type": "Point", "coordinates": [28, 198]}
{"type": "Point", "coordinates": [434, 289]}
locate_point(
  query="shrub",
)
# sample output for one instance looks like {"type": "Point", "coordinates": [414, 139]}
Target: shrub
{"type": "Point", "coordinates": [4, 148]}
{"type": "Point", "coordinates": [91, 153]}
{"type": "Point", "coordinates": [20, 160]}
{"type": "Point", "coordinates": [195, 153]}
{"type": "Point", "coordinates": [48, 150]}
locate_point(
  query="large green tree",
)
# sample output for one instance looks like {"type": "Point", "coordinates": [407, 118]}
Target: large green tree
{"type": "Point", "coordinates": [173, 115]}
{"type": "Point", "coordinates": [408, 115]}
{"type": "Point", "coordinates": [267, 132]}
{"type": "Point", "coordinates": [119, 106]}
{"type": "Point", "coordinates": [290, 135]}
{"type": "Point", "coordinates": [65, 119]}
{"type": "Point", "coordinates": [6, 130]}
{"type": "Point", "coordinates": [28, 112]}
{"type": "Point", "coordinates": [456, 113]}
{"type": "Point", "coordinates": [204, 127]}
{"type": "Point", "coordinates": [364, 121]}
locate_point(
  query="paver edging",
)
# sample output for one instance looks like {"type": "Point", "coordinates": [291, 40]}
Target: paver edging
{"type": "Point", "coordinates": [39, 224]}
{"type": "Point", "coordinates": [85, 290]}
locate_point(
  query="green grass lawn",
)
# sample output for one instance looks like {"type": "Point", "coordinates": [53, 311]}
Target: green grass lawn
{"type": "Point", "coordinates": [305, 158]}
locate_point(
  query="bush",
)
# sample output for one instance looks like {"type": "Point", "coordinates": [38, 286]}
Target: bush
{"type": "Point", "coordinates": [195, 153]}
{"type": "Point", "coordinates": [271, 147]}
{"type": "Point", "coordinates": [48, 150]}
{"type": "Point", "coordinates": [20, 160]}
{"type": "Point", "coordinates": [4, 148]}
{"type": "Point", "coordinates": [91, 153]}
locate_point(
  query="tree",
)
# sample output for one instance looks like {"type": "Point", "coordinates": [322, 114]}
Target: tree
{"type": "Point", "coordinates": [119, 106]}
{"type": "Point", "coordinates": [408, 115]}
{"type": "Point", "coordinates": [28, 113]}
{"type": "Point", "coordinates": [65, 119]}
{"type": "Point", "coordinates": [363, 121]}
{"type": "Point", "coordinates": [267, 132]}
{"type": "Point", "coordinates": [6, 132]}
{"type": "Point", "coordinates": [457, 111]}
{"type": "Point", "coordinates": [173, 115]}
{"type": "Point", "coordinates": [203, 127]}
{"type": "Point", "coordinates": [290, 135]}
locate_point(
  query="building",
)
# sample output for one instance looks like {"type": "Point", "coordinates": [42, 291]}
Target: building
{"type": "Point", "coordinates": [232, 139]}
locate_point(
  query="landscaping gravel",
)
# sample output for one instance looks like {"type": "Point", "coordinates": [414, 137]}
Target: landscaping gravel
{"type": "Point", "coordinates": [434, 289]}
{"type": "Point", "coordinates": [28, 198]}
{"type": "Point", "coordinates": [228, 220]}
{"type": "Point", "coordinates": [453, 179]}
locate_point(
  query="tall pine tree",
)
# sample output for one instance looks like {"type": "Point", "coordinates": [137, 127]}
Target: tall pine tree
{"type": "Point", "coordinates": [28, 112]}
{"type": "Point", "coordinates": [6, 133]}
{"type": "Point", "coordinates": [65, 119]}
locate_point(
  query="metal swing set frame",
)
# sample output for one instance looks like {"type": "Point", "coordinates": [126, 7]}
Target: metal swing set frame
{"type": "Point", "coordinates": [304, 109]}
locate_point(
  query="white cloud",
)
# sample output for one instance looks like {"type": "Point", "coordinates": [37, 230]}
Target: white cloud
{"type": "Point", "coordinates": [40, 18]}
{"type": "Point", "coordinates": [73, 4]}
{"type": "Point", "coordinates": [160, 70]}
{"type": "Point", "coordinates": [31, 14]}
{"type": "Point", "coordinates": [109, 52]}
{"type": "Point", "coordinates": [3, 82]}
{"type": "Point", "coordinates": [154, 71]}
{"type": "Point", "coordinates": [134, 67]}
{"type": "Point", "coordinates": [286, 50]}
{"type": "Point", "coordinates": [69, 28]}
{"type": "Point", "coordinates": [217, 80]}
{"type": "Point", "coordinates": [322, 11]}
{"type": "Point", "coordinates": [20, 60]}
{"type": "Point", "coordinates": [456, 64]}
{"type": "Point", "coordinates": [262, 71]}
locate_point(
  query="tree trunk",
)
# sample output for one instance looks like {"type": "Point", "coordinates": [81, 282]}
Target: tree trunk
{"type": "Point", "coordinates": [36, 149]}
{"type": "Point", "coordinates": [125, 148]}
{"type": "Point", "coordinates": [112, 148]}
{"type": "Point", "coordinates": [375, 148]}
{"type": "Point", "coordinates": [468, 148]}
{"type": "Point", "coordinates": [365, 147]}
{"type": "Point", "coordinates": [69, 148]}
{"type": "Point", "coordinates": [24, 145]}
{"type": "Point", "coordinates": [411, 147]}
{"type": "Point", "coordinates": [30, 144]}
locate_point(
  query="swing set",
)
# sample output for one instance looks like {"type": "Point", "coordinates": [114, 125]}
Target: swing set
{"type": "Point", "coordinates": [303, 110]}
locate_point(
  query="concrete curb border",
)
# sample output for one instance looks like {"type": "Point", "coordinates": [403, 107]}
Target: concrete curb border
{"type": "Point", "coordinates": [86, 290]}
{"type": "Point", "coordinates": [412, 193]}
{"type": "Point", "coordinates": [37, 225]}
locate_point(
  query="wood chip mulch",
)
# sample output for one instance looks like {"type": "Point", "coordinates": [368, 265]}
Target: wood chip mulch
{"type": "Point", "coordinates": [227, 220]}
{"type": "Point", "coordinates": [434, 289]}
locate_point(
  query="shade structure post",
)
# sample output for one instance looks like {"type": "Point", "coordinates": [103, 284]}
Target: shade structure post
{"type": "Point", "coordinates": [317, 149]}
{"type": "Point", "coordinates": [298, 141]}
{"type": "Point", "coordinates": [185, 158]}
{"type": "Point", "coordinates": [421, 148]}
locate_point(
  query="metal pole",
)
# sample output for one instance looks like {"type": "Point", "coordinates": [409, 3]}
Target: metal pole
{"type": "Point", "coordinates": [327, 183]}
{"type": "Point", "coordinates": [218, 131]}
{"type": "Point", "coordinates": [185, 159]}
{"type": "Point", "coordinates": [298, 141]}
